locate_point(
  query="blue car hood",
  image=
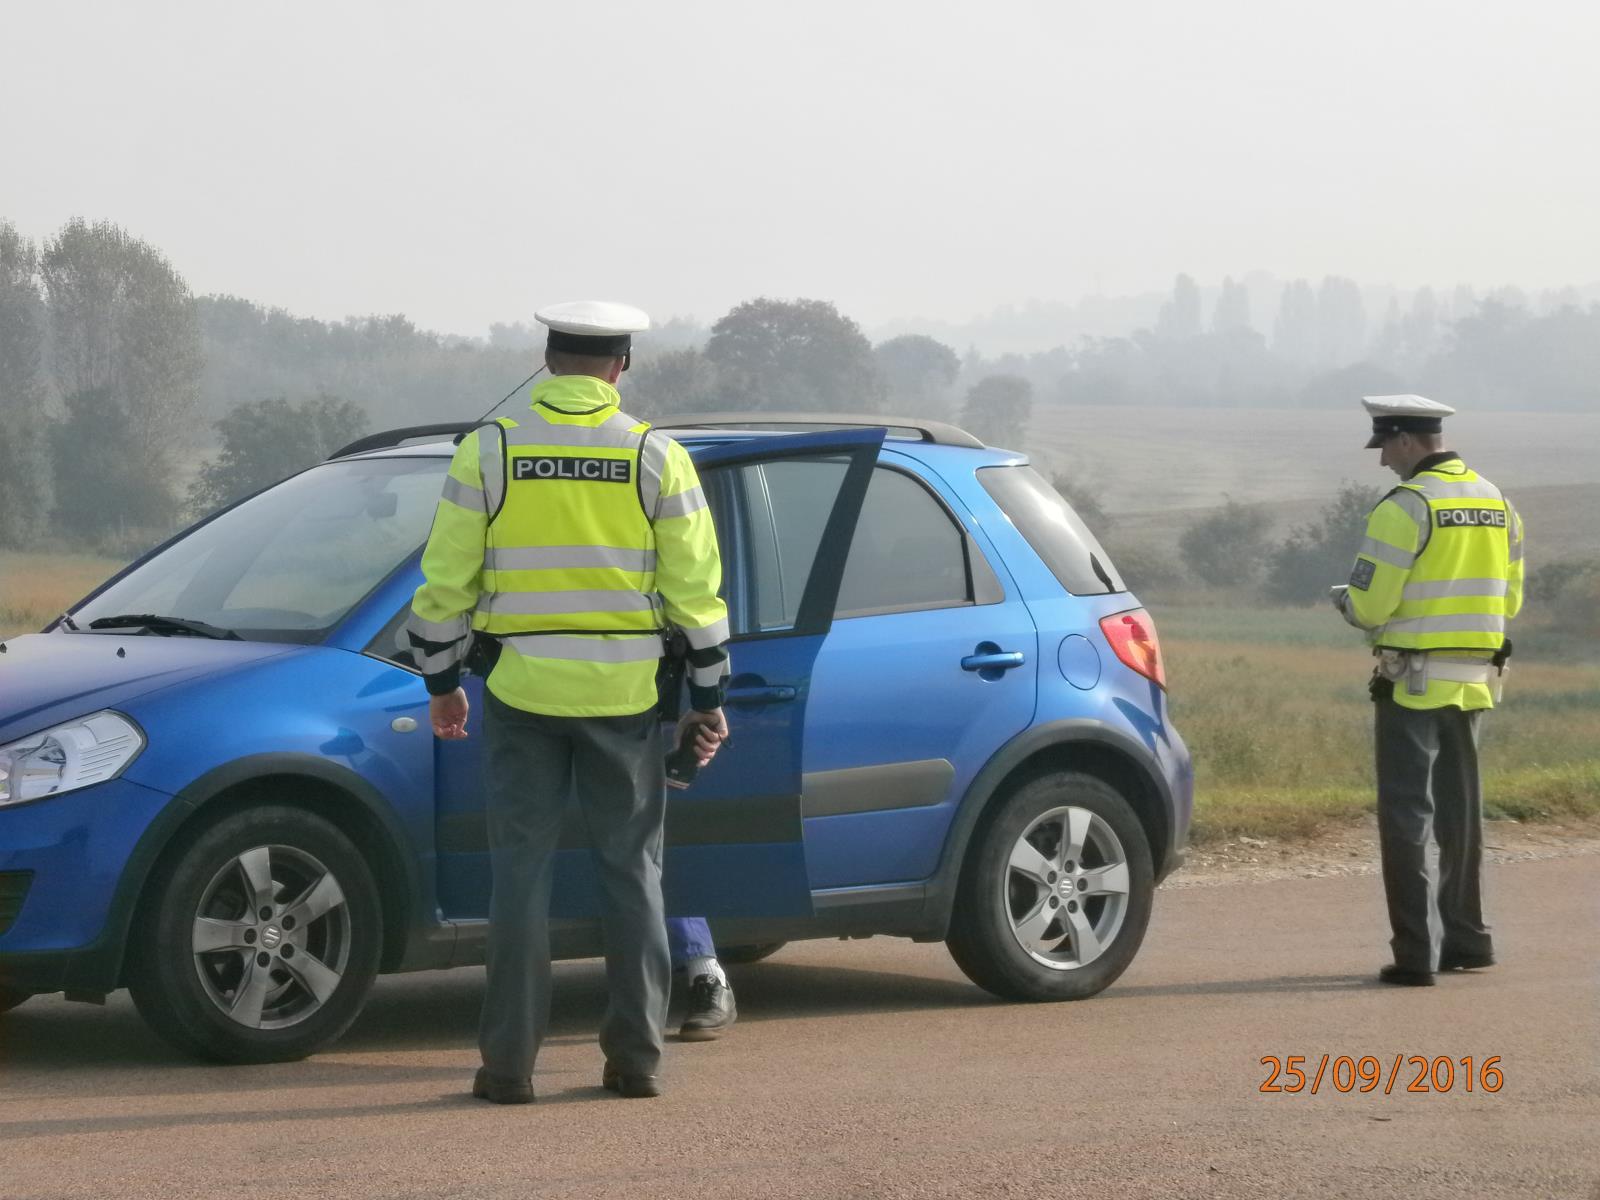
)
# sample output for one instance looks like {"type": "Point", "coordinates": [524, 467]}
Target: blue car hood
{"type": "Point", "coordinates": [46, 678]}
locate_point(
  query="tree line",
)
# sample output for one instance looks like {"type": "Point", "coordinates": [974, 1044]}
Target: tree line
{"type": "Point", "coordinates": [128, 405]}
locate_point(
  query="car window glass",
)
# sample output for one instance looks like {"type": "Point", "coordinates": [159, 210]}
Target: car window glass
{"type": "Point", "coordinates": [291, 562]}
{"type": "Point", "coordinates": [770, 518]}
{"type": "Point", "coordinates": [907, 551]}
{"type": "Point", "coordinates": [1056, 533]}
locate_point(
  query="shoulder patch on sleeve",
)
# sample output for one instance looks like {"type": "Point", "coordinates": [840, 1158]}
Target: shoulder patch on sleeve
{"type": "Point", "coordinates": [1361, 576]}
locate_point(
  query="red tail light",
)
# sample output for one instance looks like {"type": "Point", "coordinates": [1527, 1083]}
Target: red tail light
{"type": "Point", "coordinates": [1132, 636]}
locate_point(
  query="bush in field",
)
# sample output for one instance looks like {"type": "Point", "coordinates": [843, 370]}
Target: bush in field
{"type": "Point", "coordinates": [269, 440]}
{"type": "Point", "coordinates": [1319, 554]}
{"type": "Point", "coordinates": [1146, 568]}
{"type": "Point", "coordinates": [1227, 547]}
{"type": "Point", "coordinates": [1566, 595]}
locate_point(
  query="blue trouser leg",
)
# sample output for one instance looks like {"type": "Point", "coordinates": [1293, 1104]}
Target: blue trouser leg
{"type": "Point", "coordinates": [689, 937]}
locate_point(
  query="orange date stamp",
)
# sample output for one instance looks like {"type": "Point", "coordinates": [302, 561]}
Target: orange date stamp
{"type": "Point", "coordinates": [1298, 1074]}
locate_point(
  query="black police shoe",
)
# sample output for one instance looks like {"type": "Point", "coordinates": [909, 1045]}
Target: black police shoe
{"type": "Point", "coordinates": [1464, 962]}
{"type": "Point", "coordinates": [1405, 976]}
{"type": "Point", "coordinates": [634, 1087]}
{"type": "Point", "coordinates": [499, 1090]}
{"type": "Point", "coordinates": [712, 1011]}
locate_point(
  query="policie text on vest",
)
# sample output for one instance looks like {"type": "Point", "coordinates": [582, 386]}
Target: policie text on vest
{"type": "Point", "coordinates": [594, 470]}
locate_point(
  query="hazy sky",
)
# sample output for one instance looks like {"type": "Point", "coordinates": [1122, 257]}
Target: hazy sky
{"type": "Point", "coordinates": [464, 163]}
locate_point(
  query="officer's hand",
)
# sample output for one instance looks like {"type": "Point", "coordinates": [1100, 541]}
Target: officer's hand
{"type": "Point", "coordinates": [448, 715]}
{"type": "Point", "coordinates": [710, 732]}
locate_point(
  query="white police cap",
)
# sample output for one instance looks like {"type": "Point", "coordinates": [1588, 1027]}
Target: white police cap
{"type": "Point", "coordinates": [592, 326]}
{"type": "Point", "coordinates": [1404, 414]}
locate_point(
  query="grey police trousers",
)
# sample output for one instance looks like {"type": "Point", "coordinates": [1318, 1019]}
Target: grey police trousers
{"type": "Point", "coordinates": [618, 767]}
{"type": "Point", "coordinates": [1428, 783]}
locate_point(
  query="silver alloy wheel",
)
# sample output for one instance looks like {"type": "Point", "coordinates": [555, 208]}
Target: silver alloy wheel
{"type": "Point", "coordinates": [271, 937]}
{"type": "Point", "coordinates": [1065, 891]}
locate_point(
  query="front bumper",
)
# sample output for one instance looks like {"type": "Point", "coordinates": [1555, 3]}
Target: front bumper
{"type": "Point", "coordinates": [67, 863]}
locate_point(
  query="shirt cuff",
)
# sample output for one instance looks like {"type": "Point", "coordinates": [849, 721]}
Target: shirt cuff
{"type": "Point", "coordinates": [707, 699]}
{"type": "Point", "coordinates": [444, 682]}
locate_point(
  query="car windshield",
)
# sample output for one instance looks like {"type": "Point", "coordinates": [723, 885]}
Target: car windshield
{"type": "Point", "coordinates": [288, 564]}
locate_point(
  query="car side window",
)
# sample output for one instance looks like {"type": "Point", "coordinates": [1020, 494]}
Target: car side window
{"type": "Point", "coordinates": [770, 518]}
{"type": "Point", "coordinates": [908, 551]}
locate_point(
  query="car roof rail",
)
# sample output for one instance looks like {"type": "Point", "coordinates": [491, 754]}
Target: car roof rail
{"type": "Point", "coordinates": [938, 433]}
{"type": "Point", "coordinates": [389, 438]}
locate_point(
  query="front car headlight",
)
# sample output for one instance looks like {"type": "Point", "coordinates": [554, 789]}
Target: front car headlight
{"type": "Point", "coordinates": [67, 757]}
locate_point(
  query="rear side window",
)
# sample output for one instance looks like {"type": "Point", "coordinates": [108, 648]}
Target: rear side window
{"type": "Point", "coordinates": [907, 552]}
{"type": "Point", "coordinates": [1054, 531]}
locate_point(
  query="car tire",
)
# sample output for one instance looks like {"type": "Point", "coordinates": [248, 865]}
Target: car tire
{"type": "Point", "coordinates": [259, 939]}
{"type": "Point", "coordinates": [740, 955]}
{"type": "Point", "coordinates": [10, 998]}
{"type": "Point", "coordinates": [1055, 893]}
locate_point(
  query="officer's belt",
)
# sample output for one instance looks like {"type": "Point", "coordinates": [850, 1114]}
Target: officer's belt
{"type": "Point", "coordinates": [1419, 667]}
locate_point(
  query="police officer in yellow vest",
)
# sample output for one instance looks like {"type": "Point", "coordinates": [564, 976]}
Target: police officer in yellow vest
{"type": "Point", "coordinates": [573, 535]}
{"type": "Point", "coordinates": [1438, 576]}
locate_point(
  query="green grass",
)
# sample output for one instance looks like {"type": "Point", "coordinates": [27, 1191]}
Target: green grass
{"type": "Point", "coordinates": [1273, 704]}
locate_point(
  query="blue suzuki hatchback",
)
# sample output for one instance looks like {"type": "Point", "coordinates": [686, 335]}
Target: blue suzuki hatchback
{"type": "Point", "coordinates": [219, 789]}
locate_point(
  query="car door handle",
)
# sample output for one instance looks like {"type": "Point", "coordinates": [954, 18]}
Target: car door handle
{"type": "Point", "coordinates": [998, 660]}
{"type": "Point", "coordinates": [761, 695]}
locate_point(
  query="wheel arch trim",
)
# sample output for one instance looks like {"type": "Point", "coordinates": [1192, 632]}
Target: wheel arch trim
{"type": "Point", "coordinates": [404, 889]}
{"type": "Point", "coordinates": [1039, 745]}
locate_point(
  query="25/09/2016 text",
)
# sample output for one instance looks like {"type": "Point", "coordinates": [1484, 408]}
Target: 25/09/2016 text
{"type": "Point", "coordinates": [1297, 1074]}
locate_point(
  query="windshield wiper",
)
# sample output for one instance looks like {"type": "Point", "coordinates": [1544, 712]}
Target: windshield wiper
{"type": "Point", "coordinates": [169, 625]}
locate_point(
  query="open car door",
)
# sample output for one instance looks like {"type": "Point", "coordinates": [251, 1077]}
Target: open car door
{"type": "Point", "coordinates": [785, 508]}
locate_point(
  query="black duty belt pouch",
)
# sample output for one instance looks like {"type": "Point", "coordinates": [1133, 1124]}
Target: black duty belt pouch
{"type": "Point", "coordinates": [482, 654]}
{"type": "Point", "coordinates": [1380, 687]}
{"type": "Point", "coordinates": [1501, 656]}
{"type": "Point", "coordinates": [669, 675]}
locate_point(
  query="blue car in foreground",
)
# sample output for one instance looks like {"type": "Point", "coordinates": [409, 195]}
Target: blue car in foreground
{"type": "Point", "coordinates": [218, 786]}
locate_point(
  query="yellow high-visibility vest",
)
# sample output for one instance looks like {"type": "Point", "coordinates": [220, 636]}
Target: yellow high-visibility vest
{"type": "Point", "coordinates": [1440, 571]}
{"type": "Point", "coordinates": [574, 535]}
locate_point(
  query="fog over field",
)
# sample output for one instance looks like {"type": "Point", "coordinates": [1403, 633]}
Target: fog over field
{"type": "Point", "coordinates": [1164, 249]}
{"type": "Point", "coordinates": [1153, 459]}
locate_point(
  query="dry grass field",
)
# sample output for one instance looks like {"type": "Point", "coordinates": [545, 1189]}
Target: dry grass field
{"type": "Point", "coordinates": [36, 588]}
{"type": "Point", "coordinates": [1273, 704]}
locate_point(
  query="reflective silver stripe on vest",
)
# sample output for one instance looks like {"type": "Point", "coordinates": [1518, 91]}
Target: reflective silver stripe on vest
{"type": "Point", "coordinates": [463, 494]}
{"type": "Point", "coordinates": [1453, 671]}
{"type": "Point", "coordinates": [492, 466]}
{"type": "Point", "coordinates": [452, 630]}
{"type": "Point", "coordinates": [652, 462]}
{"type": "Point", "coordinates": [1515, 554]}
{"type": "Point", "coordinates": [682, 504]}
{"type": "Point", "coordinates": [1454, 587]}
{"type": "Point", "coordinates": [1438, 489]}
{"type": "Point", "coordinates": [645, 648]}
{"type": "Point", "coordinates": [615, 431]}
{"type": "Point", "coordinates": [583, 600]}
{"type": "Point", "coordinates": [707, 636]}
{"type": "Point", "coordinates": [560, 558]}
{"type": "Point", "coordinates": [1385, 553]}
{"type": "Point", "coordinates": [1454, 623]}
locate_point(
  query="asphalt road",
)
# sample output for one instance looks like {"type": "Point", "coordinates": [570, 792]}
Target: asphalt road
{"type": "Point", "coordinates": [873, 1069]}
